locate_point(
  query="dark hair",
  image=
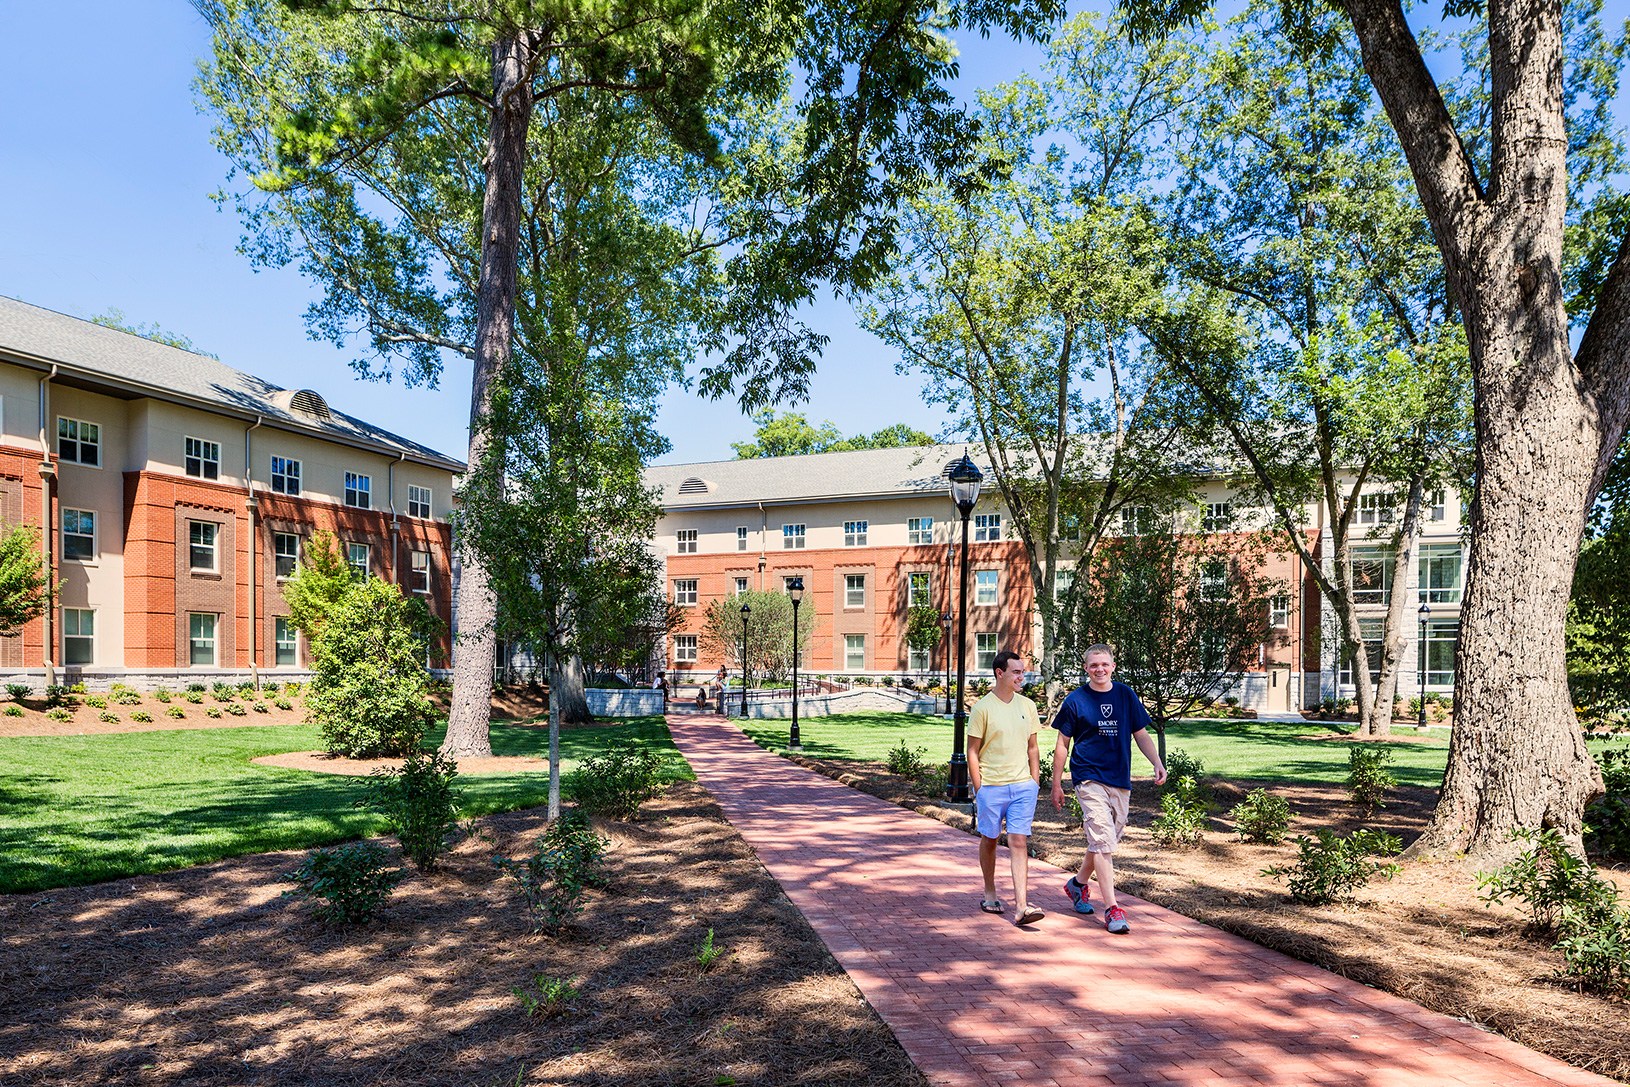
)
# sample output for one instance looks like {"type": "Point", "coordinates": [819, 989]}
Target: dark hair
{"type": "Point", "coordinates": [1003, 659]}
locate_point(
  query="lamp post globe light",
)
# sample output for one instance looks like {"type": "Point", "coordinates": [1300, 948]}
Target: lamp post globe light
{"type": "Point", "coordinates": [945, 620]}
{"type": "Point", "coordinates": [965, 479]}
{"type": "Point", "coordinates": [795, 592]}
{"type": "Point", "coordinates": [1420, 653]}
{"type": "Point", "coordinates": [746, 610]}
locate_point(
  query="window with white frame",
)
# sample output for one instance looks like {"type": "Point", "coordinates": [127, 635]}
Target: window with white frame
{"type": "Point", "coordinates": [1372, 575]}
{"type": "Point", "coordinates": [1375, 509]}
{"type": "Point", "coordinates": [741, 586]}
{"type": "Point", "coordinates": [984, 586]}
{"type": "Point", "coordinates": [79, 534]}
{"type": "Point", "coordinates": [984, 652]}
{"type": "Point", "coordinates": [1441, 571]}
{"type": "Point", "coordinates": [201, 638]}
{"type": "Point", "coordinates": [687, 541]}
{"type": "Point", "coordinates": [854, 652]}
{"type": "Point", "coordinates": [741, 537]}
{"type": "Point", "coordinates": [685, 591]}
{"type": "Point", "coordinates": [1069, 526]}
{"type": "Point", "coordinates": [854, 590]}
{"type": "Point", "coordinates": [203, 459]}
{"type": "Point", "coordinates": [286, 639]}
{"type": "Point", "coordinates": [1216, 517]}
{"type": "Point", "coordinates": [286, 553]}
{"type": "Point", "coordinates": [419, 502]}
{"type": "Point", "coordinates": [1136, 521]}
{"type": "Point", "coordinates": [1369, 631]}
{"type": "Point", "coordinates": [1213, 579]}
{"type": "Point", "coordinates": [79, 442]}
{"type": "Point", "coordinates": [918, 660]}
{"type": "Point", "coordinates": [854, 534]}
{"type": "Point", "coordinates": [684, 649]}
{"type": "Point", "coordinates": [1063, 578]}
{"type": "Point", "coordinates": [356, 556]}
{"type": "Point", "coordinates": [919, 589]}
{"type": "Point", "coordinates": [201, 544]}
{"type": "Point", "coordinates": [285, 475]}
{"type": "Point", "coordinates": [1279, 611]}
{"type": "Point", "coordinates": [919, 530]}
{"type": "Point", "coordinates": [1437, 505]}
{"type": "Point", "coordinates": [78, 636]}
{"type": "Point", "coordinates": [357, 491]}
{"type": "Point", "coordinates": [1442, 637]}
{"type": "Point", "coordinates": [987, 526]}
{"type": "Point", "coordinates": [419, 571]}
{"type": "Point", "coordinates": [792, 537]}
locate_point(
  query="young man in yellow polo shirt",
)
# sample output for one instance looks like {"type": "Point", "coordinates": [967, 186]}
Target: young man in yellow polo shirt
{"type": "Point", "coordinates": [1004, 763]}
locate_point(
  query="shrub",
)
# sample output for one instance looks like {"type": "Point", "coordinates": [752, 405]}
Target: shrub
{"type": "Point", "coordinates": [552, 880]}
{"type": "Point", "coordinates": [1261, 817]}
{"type": "Point", "coordinates": [368, 695]}
{"type": "Point", "coordinates": [419, 803]}
{"type": "Point", "coordinates": [56, 694]}
{"type": "Point", "coordinates": [1330, 868]}
{"type": "Point", "coordinates": [236, 710]}
{"type": "Point", "coordinates": [162, 694]}
{"type": "Point", "coordinates": [1231, 701]}
{"type": "Point", "coordinates": [246, 688]}
{"type": "Point", "coordinates": [1182, 817]}
{"type": "Point", "coordinates": [108, 717]}
{"type": "Point", "coordinates": [127, 697]}
{"type": "Point", "coordinates": [1368, 778]}
{"type": "Point", "coordinates": [19, 691]}
{"type": "Point", "coordinates": [292, 688]}
{"type": "Point", "coordinates": [1180, 764]}
{"type": "Point", "coordinates": [707, 953]}
{"type": "Point", "coordinates": [260, 707]}
{"type": "Point", "coordinates": [1607, 820]}
{"type": "Point", "coordinates": [906, 762]}
{"type": "Point", "coordinates": [14, 710]}
{"type": "Point", "coordinates": [59, 713]}
{"type": "Point", "coordinates": [283, 704]}
{"type": "Point", "coordinates": [175, 711]}
{"type": "Point", "coordinates": [223, 692]}
{"type": "Point", "coordinates": [888, 681]}
{"type": "Point", "coordinates": [97, 702]}
{"type": "Point", "coordinates": [142, 716]}
{"type": "Point", "coordinates": [212, 711]}
{"type": "Point", "coordinates": [1596, 949]}
{"type": "Point", "coordinates": [196, 688]}
{"type": "Point", "coordinates": [547, 995]}
{"type": "Point", "coordinates": [862, 681]}
{"type": "Point", "coordinates": [616, 782]}
{"type": "Point", "coordinates": [934, 780]}
{"type": "Point", "coordinates": [352, 881]}
{"type": "Point", "coordinates": [194, 697]}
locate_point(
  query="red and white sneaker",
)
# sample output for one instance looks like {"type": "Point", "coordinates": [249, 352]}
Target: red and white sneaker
{"type": "Point", "coordinates": [1115, 920]}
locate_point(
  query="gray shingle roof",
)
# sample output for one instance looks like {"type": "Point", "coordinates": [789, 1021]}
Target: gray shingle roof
{"type": "Point", "coordinates": [154, 369]}
{"type": "Point", "coordinates": [812, 477]}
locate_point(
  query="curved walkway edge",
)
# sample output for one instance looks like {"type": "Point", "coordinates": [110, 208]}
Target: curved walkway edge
{"type": "Point", "coordinates": [977, 1002]}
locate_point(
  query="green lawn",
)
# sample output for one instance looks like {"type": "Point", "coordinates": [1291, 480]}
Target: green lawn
{"type": "Point", "coordinates": [82, 809]}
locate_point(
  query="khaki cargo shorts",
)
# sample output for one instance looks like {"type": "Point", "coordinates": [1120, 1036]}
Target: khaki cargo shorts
{"type": "Point", "coordinates": [1103, 814]}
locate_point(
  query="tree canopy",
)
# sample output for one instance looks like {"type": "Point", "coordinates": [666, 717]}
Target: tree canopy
{"type": "Point", "coordinates": [789, 434]}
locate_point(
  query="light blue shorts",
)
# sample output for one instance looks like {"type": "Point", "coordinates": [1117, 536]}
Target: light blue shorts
{"type": "Point", "coordinates": [1016, 803]}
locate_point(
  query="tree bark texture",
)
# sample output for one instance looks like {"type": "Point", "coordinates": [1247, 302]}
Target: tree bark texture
{"type": "Point", "coordinates": [1546, 422]}
{"type": "Point", "coordinates": [469, 719]}
{"type": "Point", "coordinates": [566, 691]}
{"type": "Point", "coordinates": [1379, 723]}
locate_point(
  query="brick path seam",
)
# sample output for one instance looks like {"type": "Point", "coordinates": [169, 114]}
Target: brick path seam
{"type": "Point", "coordinates": [977, 1002]}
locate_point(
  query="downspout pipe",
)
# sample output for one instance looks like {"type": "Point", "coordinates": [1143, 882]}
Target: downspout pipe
{"type": "Point", "coordinates": [48, 476]}
{"type": "Point", "coordinates": [763, 542]}
{"type": "Point", "coordinates": [252, 505]}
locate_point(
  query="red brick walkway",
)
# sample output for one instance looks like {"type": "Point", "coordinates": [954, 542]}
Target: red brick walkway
{"type": "Point", "coordinates": [976, 1001]}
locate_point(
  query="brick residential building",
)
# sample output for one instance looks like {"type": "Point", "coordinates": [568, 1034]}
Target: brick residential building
{"type": "Point", "coordinates": [178, 493]}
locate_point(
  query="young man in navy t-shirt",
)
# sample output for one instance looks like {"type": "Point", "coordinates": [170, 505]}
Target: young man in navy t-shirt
{"type": "Point", "coordinates": [1097, 725]}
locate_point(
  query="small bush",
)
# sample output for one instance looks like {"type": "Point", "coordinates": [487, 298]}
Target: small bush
{"type": "Point", "coordinates": [1180, 764]}
{"type": "Point", "coordinates": [59, 713]}
{"type": "Point", "coordinates": [162, 694]}
{"type": "Point", "coordinates": [175, 711]}
{"type": "Point", "coordinates": [14, 710]}
{"type": "Point", "coordinates": [707, 953]}
{"type": "Point", "coordinates": [142, 717]}
{"type": "Point", "coordinates": [1261, 817]}
{"type": "Point", "coordinates": [19, 691]}
{"type": "Point", "coordinates": [56, 694]}
{"type": "Point", "coordinates": [548, 996]}
{"type": "Point", "coordinates": [97, 702]}
{"type": "Point", "coordinates": [369, 694]}
{"type": "Point", "coordinates": [283, 704]}
{"type": "Point", "coordinates": [127, 697]}
{"type": "Point", "coordinates": [195, 698]}
{"type": "Point", "coordinates": [906, 762]}
{"type": "Point", "coordinates": [1182, 819]}
{"type": "Point", "coordinates": [419, 803]}
{"type": "Point", "coordinates": [108, 717]}
{"type": "Point", "coordinates": [246, 688]}
{"type": "Point", "coordinates": [260, 707]}
{"type": "Point", "coordinates": [236, 710]}
{"type": "Point", "coordinates": [888, 681]}
{"type": "Point", "coordinates": [552, 881]}
{"type": "Point", "coordinates": [615, 783]}
{"type": "Point", "coordinates": [934, 780]}
{"type": "Point", "coordinates": [223, 692]}
{"type": "Point", "coordinates": [1607, 820]}
{"type": "Point", "coordinates": [1596, 949]}
{"type": "Point", "coordinates": [1330, 868]}
{"type": "Point", "coordinates": [212, 711]}
{"type": "Point", "coordinates": [291, 688]}
{"type": "Point", "coordinates": [1368, 778]}
{"type": "Point", "coordinates": [1231, 701]}
{"type": "Point", "coordinates": [196, 688]}
{"type": "Point", "coordinates": [352, 881]}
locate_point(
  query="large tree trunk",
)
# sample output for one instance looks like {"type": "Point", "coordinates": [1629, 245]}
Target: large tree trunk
{"type": "Point", "coordinates": [1379, 722]}
{"type": "Point", "coordinates": [470, 716]}
{"type": "Point", "coordinates": [1546, 424]}
{"type": "Point", "coordinates": [566, 691]}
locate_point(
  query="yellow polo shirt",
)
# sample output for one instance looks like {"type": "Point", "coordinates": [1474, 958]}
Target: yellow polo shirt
{"type": "Point", "coordinates": [1004, 730]}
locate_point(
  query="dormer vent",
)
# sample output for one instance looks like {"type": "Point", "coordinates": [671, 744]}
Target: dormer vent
{"type": "Point", "coordinates": [695, 485]}
{"type": "Point", "coordinates": [309, 403]}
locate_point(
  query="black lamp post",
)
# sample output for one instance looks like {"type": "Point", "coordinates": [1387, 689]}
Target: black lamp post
{"type": "Point", "coordinates": [746, 610]}
{"type": "Point", "coordinates": [945, 620]}
{"type": "Point", "coordinates": [795, 592]}
{"type": "Point", "coordinates": [965, 479]}
{"type": "Point", "coordinates": [1420, 652]}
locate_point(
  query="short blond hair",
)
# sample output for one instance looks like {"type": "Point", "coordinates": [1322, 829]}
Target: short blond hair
{"type": "Point", "coordinates": [1106, 650]}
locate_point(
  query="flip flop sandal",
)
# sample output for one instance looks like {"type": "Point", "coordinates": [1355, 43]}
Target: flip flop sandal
{"type": "Point", "coordinates": [993, 907]}
{"type": "Point", "coordinates": [1030, 916]}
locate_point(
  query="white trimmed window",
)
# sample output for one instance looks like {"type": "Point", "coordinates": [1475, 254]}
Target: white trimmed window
{"type": "Point", "coordinates": [741, 585]}
{"type": "Point", "coordinates": [984, 652]}
{"type": "Point", "coordinates": [419, 502]}
{"type": "Point", "coordinates": [201, 545]}
{"type": "Point", "coordinates": [79, 534]}
{"type": "Point", "coordinates": [685, 592]}
{"type": "Point", "coordinates": [1216, 517]}
{"type": "Point", "coordinates": [1069, 527]}
{"type": "Point", "coordinates": [854, 652]}
{"type": "Point", "coordinates": [1375, 509]}
{"type": "Point", "coordinates": [684, 648]}
{"type": "Point", "coordinates": [1442, 636]}
{"type": "Point", "coordinates": [741, 537]}
{"type": "Point", "coordinates": [919, 530]}
{"type": "Point", "coordinates": [854, 534]}
{"type": "Point", "coordinates": [78, 636]}
{"type": "Point", "coordinates": [356, 555]}
{"type": "Point", "coordinates": [987, 527]}
{"type": "Point", "coordinates": [285, 475]}
{"type": "Point", "coordinates": [1437, 505]}
{"type": "Point", "coordinates": [984, 586]}
{"type": "Point", "coordinates": [201, 638]}
{"type": "Point", "coordinates": [419, 574]}
{"type": "Point", "coordinates": [1372, 574]}
{"type": "Point", "coordinates": [79, 442]}
{"type": "Point", "coordinates": [357, 491]}
{"type": "Point", "coordinates": [286, 552]}
{"type": "Point", "coordinates": [792, 537]}
{"type": "Point", "coordinates": [854, 590]}
{"type": "Point", "coordinates": [917, 660]}
{"type": "Point", "coordinates": [1136, 521]}
{"type": "Point", "coordinates": [1279, 611]}
{"type": "Point", "coordinates": [287, 642]}
{"type": "Point", "coordinates": [203, 459]}
{"type": "Point", "coordinates": [1441, 571]}
{"type": "Point", "coordinates": [1063, 578]}
{"type": "Point", "coordinates": [1370, 631]}
{"type": "Point", "coordinates": [919, 589]}
{"type": "Point", "coordinates": [1214, 580]}
{"type": "Point", "coordinates": [687, 541]}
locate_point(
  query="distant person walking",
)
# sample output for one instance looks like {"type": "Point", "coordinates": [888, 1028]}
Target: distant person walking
{"type": "Point", "coordinates": [1004, 763]}
{"type": "Point", "coordinates": [1096, 727]}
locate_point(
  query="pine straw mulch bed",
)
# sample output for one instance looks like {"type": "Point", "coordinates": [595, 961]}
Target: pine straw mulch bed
{"type": "Point", "coordinates": [1424, 935]}
{"type": "Point", "coordinates": [204, 976]}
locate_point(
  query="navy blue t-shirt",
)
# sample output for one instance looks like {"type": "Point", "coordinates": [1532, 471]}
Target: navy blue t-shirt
{"type": "Point", "coordinates": [1100, 725]}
